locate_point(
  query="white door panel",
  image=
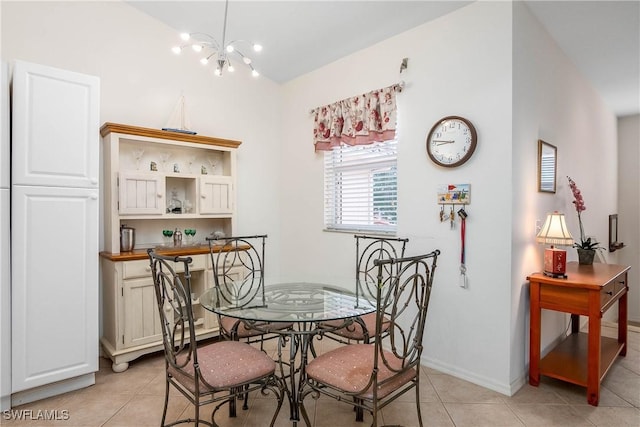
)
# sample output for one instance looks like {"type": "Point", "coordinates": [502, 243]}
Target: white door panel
{"type": "Point", "coordinates": [55, 133]}
{"type": "Point", "coordinates": [5, 304]}
{"type": "Point", "coordinates": [54, 284]}
{"type": "Point", "coordinates": [4, 125]}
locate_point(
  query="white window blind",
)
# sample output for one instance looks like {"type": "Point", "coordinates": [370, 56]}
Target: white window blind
{"type": "Point", "coordinates": [360, 187]}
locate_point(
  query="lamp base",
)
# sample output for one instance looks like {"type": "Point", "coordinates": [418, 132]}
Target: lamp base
{"type": "Point", "coordinates": [555, 275]}
{"type": "Point", "coordinates": [555, 263]}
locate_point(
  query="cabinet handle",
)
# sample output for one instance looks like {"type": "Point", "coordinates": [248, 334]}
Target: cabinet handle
{"type": "Point", "coordinates": [159, 196]}
{"type": "Point", "coordinates": [203, 196]}
{"type": "Point", "coordinates": [609, 293]}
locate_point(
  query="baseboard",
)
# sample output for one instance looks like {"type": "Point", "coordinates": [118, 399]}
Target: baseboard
{"type": "Point", "coordinates": [630, 327]}
{"type": "Point", "coordinates": [502, 388]}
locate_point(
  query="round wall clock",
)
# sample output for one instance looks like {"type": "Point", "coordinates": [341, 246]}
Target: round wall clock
{"type": "Point", "coordinates": [451, 141]}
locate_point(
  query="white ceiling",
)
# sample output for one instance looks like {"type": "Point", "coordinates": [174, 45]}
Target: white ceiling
{"type": "Point", "coordinates": [601, 37]}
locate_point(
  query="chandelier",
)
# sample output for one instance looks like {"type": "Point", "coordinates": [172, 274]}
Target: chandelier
{"type": "Point", "coordinates": [221, 53]}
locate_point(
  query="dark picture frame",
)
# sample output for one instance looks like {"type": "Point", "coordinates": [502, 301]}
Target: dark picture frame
{"type": "Point", "coordinates": [614, 245]}
{"type": "Point", "coordinates": [547, 167]}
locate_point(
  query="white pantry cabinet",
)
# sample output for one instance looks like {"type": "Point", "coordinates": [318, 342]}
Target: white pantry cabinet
{"type": "Point", "coordinates": [159, 180]}
{"type": "Point", "coordinates": [54, 231]}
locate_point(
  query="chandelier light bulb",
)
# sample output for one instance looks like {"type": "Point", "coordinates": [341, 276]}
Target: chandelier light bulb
{"type": "Point", "coordinates": [229, 48]}
{"type": "Point", "coordinates": [254, 73]}
{"type": "Point", "coordinates": [176, 50]}
{"type": "Point", "coordinates": [196, 47]}
{"type": "Point", "coordinates": [185, 36]}
{"type": "Point", "coordinates": [230, 68]}
{"type": "Point", "coordinates": [246, 60]}
{"type": "Point", "coordinates": [218, 72]}
{"type": "Point", "coordinates": [204, 61]}
{"type": "Point", "coordinates": [257, 47]}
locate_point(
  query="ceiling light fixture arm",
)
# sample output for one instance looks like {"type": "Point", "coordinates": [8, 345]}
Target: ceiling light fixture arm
{"type": "Point", "coordinates": [221, 51]}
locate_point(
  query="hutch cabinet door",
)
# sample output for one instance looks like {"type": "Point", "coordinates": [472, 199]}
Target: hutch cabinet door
{"type": "Point", "coordinates": [141, 320]}
{"type": "Point", "coordinates": [141, 194]}
{"type": "Point", "coordinates": [216, 195]}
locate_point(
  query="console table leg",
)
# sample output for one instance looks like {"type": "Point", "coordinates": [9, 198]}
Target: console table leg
{"type": "Point", "coordinates": [534, 334]}
{"type": "Point", "coordinates": [594, 349]}
{"type": "Point", "coordinates": [622, 319]}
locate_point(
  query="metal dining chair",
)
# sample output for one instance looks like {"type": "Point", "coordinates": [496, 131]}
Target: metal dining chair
{"type": "Point", "coordinates": [238, 274]}
{"type": "Point", "coordinates": [200, 373]}
{"type": "Point", "coordinates": [370, 376]}
{"type": "Point", "coordinates": [368, 250]}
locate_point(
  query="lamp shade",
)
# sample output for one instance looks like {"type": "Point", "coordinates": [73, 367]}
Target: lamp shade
{"type": "Point", "coordinates": [554, 231]}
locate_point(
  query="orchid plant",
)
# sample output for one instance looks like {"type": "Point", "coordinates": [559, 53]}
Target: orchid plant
{"type": "Point", "coordinates": [585, 242]}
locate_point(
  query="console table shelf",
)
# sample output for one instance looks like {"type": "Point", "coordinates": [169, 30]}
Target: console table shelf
{"type": "Point", "coordinates": [567, 362]}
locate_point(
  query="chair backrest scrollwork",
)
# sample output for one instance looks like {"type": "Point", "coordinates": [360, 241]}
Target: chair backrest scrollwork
{"type": "Point", "coordinates": [238, 268]}
{"type": "Point", "coordinates": [173, 296]}
{"type": "Point", "coordinates": [368, 250]}
{"type": "Point", "coordinates": [402, 310]}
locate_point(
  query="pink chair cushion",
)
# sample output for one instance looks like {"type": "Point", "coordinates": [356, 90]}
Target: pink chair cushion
{"type": "Point", "coordinates": [350, 367]}
{"type": "Point", "coordinates": [228, 323]}
{"type": "Point", "coordinates": [355, 331]}
{"type": "Point", "coordinates": [226, 364]}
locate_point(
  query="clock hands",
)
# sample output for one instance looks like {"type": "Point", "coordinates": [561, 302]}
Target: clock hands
{"type": "Point", "coordinates": [442, 142]}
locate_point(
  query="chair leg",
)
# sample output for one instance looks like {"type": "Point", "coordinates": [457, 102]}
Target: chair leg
{"type": "Point", "coordinates": [418, 402]}
{"type": "Point", "coordinates": [305, 416]}
{"type": "Point", "coordinates": [232, 405]}
{"type": "Point", "coordinates": [196, 410]}
{"type": "Point", "coordinates": [245, 404]}
{"type": "Point", "coordinates": [359, 411]}
{"type": "Point", "coordinates": [166, 401]}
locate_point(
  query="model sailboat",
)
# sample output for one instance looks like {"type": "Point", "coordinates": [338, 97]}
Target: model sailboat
{"type": "Point", "coordinates": [179, 122]}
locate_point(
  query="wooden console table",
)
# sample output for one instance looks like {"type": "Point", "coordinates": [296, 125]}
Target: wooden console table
{"type": "Point", "coordinates": [581, 358]}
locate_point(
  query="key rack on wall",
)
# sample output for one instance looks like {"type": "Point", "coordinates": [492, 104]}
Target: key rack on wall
{"type": "Point", "coordinates": [451, 196]}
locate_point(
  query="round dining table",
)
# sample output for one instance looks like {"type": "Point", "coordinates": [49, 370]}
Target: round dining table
{"type": "Point", "coordinates": [306, 306]}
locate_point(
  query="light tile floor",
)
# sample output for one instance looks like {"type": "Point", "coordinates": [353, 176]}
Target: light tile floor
{"type": "Point", "coordinates": [135, 397]}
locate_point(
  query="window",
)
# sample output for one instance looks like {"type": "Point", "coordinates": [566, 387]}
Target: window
{"type": "Point", "coordinates": [360, 187]}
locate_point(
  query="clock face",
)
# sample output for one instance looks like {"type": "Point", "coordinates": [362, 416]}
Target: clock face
{"type": "Point", "coordinates": [451, 141]}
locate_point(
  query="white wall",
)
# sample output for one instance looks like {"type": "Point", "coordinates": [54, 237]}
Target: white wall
{"type": "Point", "coordinates": [459, 64]}
{"type": "Point", "coordinates": [553, 102]}
{"type": "Point", "coordinates": [628, 205]}
{"type": "Point", "coordinates": [141, 81]}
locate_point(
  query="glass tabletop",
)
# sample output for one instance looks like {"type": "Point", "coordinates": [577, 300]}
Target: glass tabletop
{"type": "Point", "coordinates": [290, 302]}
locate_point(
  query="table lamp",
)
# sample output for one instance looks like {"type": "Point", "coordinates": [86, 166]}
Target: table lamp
{"type": "Point", "coordinates": [554, 232]}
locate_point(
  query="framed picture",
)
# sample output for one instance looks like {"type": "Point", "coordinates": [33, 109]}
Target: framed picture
{"type": "Point", "coordinates": [614, 245]}
{"type": "Point", "coordinates": [547, 164]}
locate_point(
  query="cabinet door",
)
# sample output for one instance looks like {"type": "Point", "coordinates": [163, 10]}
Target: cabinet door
{"type": "Point", "coordinates": [55, 127]}
{"type": "Point", "coordinates": [141, 193]}
{"type": "Point", "coordinates": [216, 195]}
{"type": "Point", "coordinates": [141, 320]}
{"type": "Point", "coordinates": [54, 284]}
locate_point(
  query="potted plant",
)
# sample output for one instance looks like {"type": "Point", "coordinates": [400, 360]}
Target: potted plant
{"type": "Point", "coordinates": [586, 247]}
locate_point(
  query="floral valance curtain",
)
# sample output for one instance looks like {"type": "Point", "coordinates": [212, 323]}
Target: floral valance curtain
{"type": "Point", "coordinates": [359, 120]}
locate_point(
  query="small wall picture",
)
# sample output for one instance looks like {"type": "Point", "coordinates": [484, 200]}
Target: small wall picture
{"type": "Point", "coordinates": [459, 194]}
{"type": "Point", "coordinates": [547, 164]}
